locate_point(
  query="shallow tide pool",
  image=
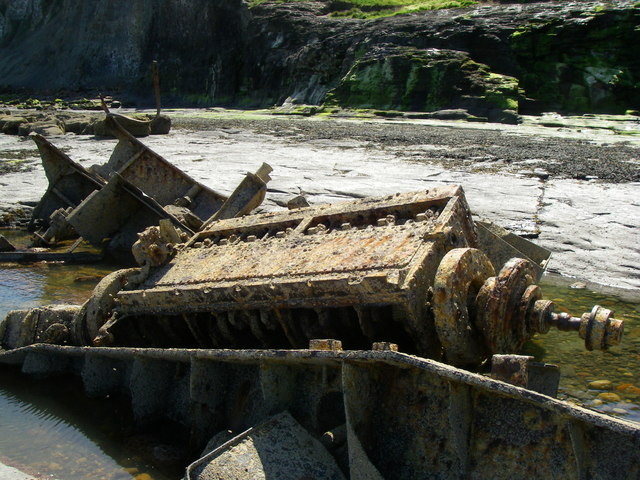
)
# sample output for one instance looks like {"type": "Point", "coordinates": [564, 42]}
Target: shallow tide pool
{"type": "Point", "coordinates": [46, 429]}
{"type": "Point", "coordinates": [605, 381]}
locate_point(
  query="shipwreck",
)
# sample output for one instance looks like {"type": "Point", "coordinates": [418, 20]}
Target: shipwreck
{"type": "Point", "coordinates": [108, 205]}
{"type": "Point", "coordinates": [328, 341]}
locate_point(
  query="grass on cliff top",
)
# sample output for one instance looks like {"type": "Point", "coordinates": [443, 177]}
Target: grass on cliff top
{"type": "Point", "coordinates": [379, 8]}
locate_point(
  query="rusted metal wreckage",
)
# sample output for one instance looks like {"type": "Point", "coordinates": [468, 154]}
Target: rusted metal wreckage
{"type": "Point", "coordinates": [108, 205]}
{"type": "Point", "coordinates": [328, 325]}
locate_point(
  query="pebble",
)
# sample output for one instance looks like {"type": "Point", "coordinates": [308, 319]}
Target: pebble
{"type": "Point", "coordinates": [609, 397]}
{"type": "Point", "coordinates": [578, 285]}
{"type": "Point", "coordinates": [621, 411]}
{"type": "Point", "coordinates": [628, 388]}
{"type": "Point", "coordinates": [601, 385]}
{"type": "Point", "coordinates": [541, 173]}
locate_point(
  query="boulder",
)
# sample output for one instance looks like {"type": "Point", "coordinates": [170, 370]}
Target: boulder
{"type": "Point", "coordinates": [11, 125]}
{"type": "Point", "coordinates": [43, 127]}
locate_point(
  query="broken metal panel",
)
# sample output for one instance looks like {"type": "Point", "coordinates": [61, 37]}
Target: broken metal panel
{"type": "Point", "coordinates": [157, 388]}
{"type": "Point", "coordinates": [117, 208]}
{"type": "Point", "coordinates": [248, 195]}
{"type": "Point", "coordinates": [69, 182]}
{"type": "Point", "coordinates": [501, 245]}
{"type": "Point", "coordinates": [401, 437]}
{"type": "Point", "coordinates": [157, 177]}
{"type": "Point", "coordinates": [522, 371]}
{"type": "Point", "coordinates": [405, 416]}
{"type": "Point", "coordinates": [524, 440]}
{"type": "Point", "coordinates": [408, 422]}
{"type": "Point", "coordinates": [102, 376]}
{"type": "Point", "coordinates": [144, 188]}
{"type": "Point", "coordinates": [154, 181]}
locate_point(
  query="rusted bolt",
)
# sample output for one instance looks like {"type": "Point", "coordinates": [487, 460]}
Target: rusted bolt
{"type": "Point", "coordinates": [388, 220]}
{"type": "Point", "coordinates": [325, 344]}
{"type": "Point", "coordinates": [384, 346]}
{"type": "Point", "coordinates": [564, 322]}
{"type": "Point", "coordinates": [598, 329]}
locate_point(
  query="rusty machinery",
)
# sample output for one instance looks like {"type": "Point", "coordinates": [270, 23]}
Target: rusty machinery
{"type": "Point", "coordinates": [404, 269]}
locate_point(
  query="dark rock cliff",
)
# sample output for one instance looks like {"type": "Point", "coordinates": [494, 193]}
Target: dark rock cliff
{"type": "Point", "coordinates": [571, 56]}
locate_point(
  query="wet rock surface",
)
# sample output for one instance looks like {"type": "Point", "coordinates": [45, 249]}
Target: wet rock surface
{"type": "Point", "coordinates": [591, 225]}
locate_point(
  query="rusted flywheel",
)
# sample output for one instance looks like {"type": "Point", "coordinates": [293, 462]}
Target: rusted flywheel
{"type": "Point", "coordinates": [461, 274]}
{"type": "Point", "coordinates": [477, 314]}
{"type": "Point", "coordinates": [502, 305]}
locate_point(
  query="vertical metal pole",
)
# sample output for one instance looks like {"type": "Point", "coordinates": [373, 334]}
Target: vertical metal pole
{"type": "Point", "coordinates": [156, 85]}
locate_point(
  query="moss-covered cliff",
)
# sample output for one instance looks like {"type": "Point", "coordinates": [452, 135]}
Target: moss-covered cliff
{"type": "Point", "coordinates": [576, 57]}
{"type": "Point", "coordinates": [587, 63]}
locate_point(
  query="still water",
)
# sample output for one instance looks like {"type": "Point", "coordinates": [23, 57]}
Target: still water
{"type": "Point", "coordinates": [47, 429]}
{"type": "Point", "coordinates": [616, 373]}
{"type": "Point", "coordinates": [41, 432]}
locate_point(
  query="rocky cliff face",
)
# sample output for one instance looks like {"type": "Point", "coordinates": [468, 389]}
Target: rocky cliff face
{"type": "Point", "coordinates": [567, 56]}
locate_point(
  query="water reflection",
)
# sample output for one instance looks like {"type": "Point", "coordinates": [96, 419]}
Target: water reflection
{"type": "Point", "coordinates": [47, 442]}
{"type": "Point", "coordinates": [35, 284]}
{"type": "Point", "coordinates": [47, 429]}
{"type": "Point", "coordinates": [28, 286]}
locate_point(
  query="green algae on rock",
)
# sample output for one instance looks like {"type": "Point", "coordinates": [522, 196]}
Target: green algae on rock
{"type": "Point", "coordinates": [412, 79]}
{"type": "Point", "coordinates": [584, 63]}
